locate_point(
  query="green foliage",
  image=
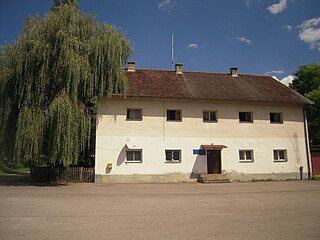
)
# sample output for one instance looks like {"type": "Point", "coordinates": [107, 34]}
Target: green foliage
{"type": "Point", "coordinates": [13, 169]}
{"type": "Point", "coordinates": [308, 84]}
{"type": "Point", "coordinates": [49, 79]}
{"type": "Point", "coordinates": [308, 79]}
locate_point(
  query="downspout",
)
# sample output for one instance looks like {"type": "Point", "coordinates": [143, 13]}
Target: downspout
{"type": "Point", "coordinates": [306, 137]}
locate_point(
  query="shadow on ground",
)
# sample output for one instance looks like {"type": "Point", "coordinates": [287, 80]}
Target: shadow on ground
{"type": "Point", "coordinates": [24, 179]}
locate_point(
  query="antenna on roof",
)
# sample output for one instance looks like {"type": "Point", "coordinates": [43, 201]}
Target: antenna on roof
{"type": "Point", "coordinates": [172, 57]}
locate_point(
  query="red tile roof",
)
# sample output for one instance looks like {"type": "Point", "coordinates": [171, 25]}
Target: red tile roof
{"type": "Point", "coordinates": [210, 86]}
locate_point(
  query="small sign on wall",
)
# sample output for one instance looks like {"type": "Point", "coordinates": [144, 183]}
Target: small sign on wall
{"type": "Point", "coordinates": [199, 151]}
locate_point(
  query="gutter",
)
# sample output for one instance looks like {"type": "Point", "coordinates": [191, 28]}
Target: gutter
{"type": "Point", "coordinates": [306, 137]}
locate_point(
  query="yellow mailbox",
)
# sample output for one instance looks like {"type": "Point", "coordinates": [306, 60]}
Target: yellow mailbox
{"type": "Point", "coordinates": [109, 165]}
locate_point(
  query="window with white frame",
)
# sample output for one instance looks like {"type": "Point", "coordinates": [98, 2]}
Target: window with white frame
{"type": "Point", "coordinates": [210, 116]}
{"type": "Point", "coordinates": [275, 117]}
{"type": "Point", "coordinates": [246, 155]}
{"type": "Point", "coordinates": [134, 155]}
{"type": "Point", "coordinates": [134, 114]}
{"type": "Point", "coordinates": [174, 115]}
{"type": "Point", "coordinates": [173, 156]}
{"type": "Point", "coordinates": [280, 155]}
{"type": "Point", "coordinates": [245, 117]}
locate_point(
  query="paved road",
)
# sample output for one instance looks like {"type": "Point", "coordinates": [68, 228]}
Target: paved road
{"type": "Point", "coordinates": [260, 210]}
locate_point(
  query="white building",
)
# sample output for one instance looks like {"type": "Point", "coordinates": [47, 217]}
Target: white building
{"type": "Point", "coordinates": [173, 126]}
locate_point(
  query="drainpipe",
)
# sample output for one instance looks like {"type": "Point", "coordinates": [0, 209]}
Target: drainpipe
{"type": "Point", "coordinates": [306, 137]}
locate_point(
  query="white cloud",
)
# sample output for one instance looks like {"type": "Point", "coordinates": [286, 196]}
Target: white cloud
{"type": "Point", "coordinates": [288, 27]}
{"type": "Point", "coordinates": [310, 32]}
{"type": "Point", "coordinates": [310, 23]}
{"type": "Point", "coordinates": [287, 80]}
{"type": "Point", "coordinates": [166, 5]}
{"type": "Point", "coordinates": [192, 45]}
{"type": "Point", "coordinates": [277, 7]}
{"type": "Point", "coordinates": [247, 2]}
{"type": "Point", "coordinates": [274, 72]}
{"type": "Point", "coordinates": [244, 39]}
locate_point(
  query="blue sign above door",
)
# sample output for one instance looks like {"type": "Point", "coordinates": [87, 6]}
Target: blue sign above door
{"type": "Point", "coordinates": [199, 151]}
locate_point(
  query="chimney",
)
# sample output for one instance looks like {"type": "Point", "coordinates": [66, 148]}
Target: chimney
{"type": "Point", "coordinates": [234, 72]}
{"type": "Point", "coordinates": [179, 68]}
{"type": "Point", "coordinates": [131, 66]}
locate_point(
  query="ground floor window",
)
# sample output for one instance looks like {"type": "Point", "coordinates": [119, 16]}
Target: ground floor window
{"type": "Point", "coordinates": [173, 156]}
{"type": "Point", "coordinates": [134, 156]}
{"type": "Point", "coordinates": [280, 155]}
{"type": "Point", "coordinates": [246, 155]}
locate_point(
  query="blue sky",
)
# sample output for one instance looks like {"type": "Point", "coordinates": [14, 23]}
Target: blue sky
{"type": "Point", "coordinates": [271, 37]}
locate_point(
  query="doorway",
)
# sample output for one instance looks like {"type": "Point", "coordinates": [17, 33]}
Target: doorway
{"type": "Point", "coordinates": [214, 161]}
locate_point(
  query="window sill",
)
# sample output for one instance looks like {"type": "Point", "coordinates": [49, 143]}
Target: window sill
{"type": "Point", "coordinates": [172, 161]}
{"type": "Point", "coordinates": [208, 121]}
{"type": "Point", "coordinates": [281, 161]}
{"type": "Point", "coordinates": [276, 122]}
{"type": "Point", "coordinates": [133, 120]}
{"type": "Point", "coordinates": [246, 161]}
{"type": "Point", "coordinates": [133, 161]}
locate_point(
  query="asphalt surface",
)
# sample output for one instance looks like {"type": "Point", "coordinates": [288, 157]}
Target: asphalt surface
{"type": "Point", "coordinates": [257, 210]}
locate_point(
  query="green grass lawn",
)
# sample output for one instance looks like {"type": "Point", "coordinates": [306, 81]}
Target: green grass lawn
{"type": "Point", "coordinates": [4, 170]}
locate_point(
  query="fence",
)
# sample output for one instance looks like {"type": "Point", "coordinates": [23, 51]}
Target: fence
{"type": "Point", "coordinates": [60, 174]}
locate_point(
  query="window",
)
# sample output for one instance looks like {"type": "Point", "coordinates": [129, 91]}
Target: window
{"type": "Point", "coordinates": [246, 155]}
{"type": "Point", "coordinates": [209, 116]}
{"type": "Point", "coordinates": [245, 117]}
{"type": "Point", "coordinates": [134, 114]}
{"type": "Point", "coordinates": [276, 118]}
{"type": "Point", "coordinates": [280, 155]}
{"type": "Point", "coordinates": [134, 156]}
{"type": "Point", "coordinates": [173, 156]}
{"type": "Point", "coordinates": [173, 115]}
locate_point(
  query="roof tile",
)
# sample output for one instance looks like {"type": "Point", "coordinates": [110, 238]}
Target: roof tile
{"type": "Point", "coordinates": [210, 86]}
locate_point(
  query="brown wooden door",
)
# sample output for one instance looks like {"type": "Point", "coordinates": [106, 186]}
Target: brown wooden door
{"type": "Point", "coordinates": [214, 161]}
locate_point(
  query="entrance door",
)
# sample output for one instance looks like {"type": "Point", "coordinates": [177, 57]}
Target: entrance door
{"type": "Point", "coordinates": [214, 161]}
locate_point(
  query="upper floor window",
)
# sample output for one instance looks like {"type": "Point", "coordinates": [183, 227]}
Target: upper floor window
{"type": "Point", "coordinates": [134, 156]}
{"type": "Point", "coordinates": [134, 114]}
{"type": "Point", "coordinates": [280, 155]}
{"type": "Point", "coordinates": [245, 117]}
{"type": "Point", "coordinates": [246, 155]}
{"type": "Point", "coordinates": [173, 156]}
{"type": "Point", "coordinates": [174, 115]}
{"type": "Point", "coordinates": [210, 116]}
{"type": "Point", "coordinates": [276, 118]}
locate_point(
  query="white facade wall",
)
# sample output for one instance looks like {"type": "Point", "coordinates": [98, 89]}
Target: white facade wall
{"type": "Point", "coordinates": [154, 134]}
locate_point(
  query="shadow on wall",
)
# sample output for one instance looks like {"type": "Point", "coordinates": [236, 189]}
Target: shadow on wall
{"type": "Point", "coordinates": [191, 110]}
{"type": "Point", "coordinates": [199, 166]}
{"type": "Point", "coordinates": [122, 156]}
{"type": "Point", "coordinates": [102, 110]}
{"type": "Point", "coordinates": [295, 146]}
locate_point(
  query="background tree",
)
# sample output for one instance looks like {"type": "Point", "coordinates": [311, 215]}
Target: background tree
{"type": "Point", "coordinates": [49, 80]}
{"type": "Point", "coordinates": [307, 83]}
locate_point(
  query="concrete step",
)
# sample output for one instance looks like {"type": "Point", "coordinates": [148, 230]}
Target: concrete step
{"type": "Point", "coordinates": [214, 178]}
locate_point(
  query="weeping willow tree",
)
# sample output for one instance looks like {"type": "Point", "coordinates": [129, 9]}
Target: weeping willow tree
{"type": "Point", "coordinates": [56, 68]}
